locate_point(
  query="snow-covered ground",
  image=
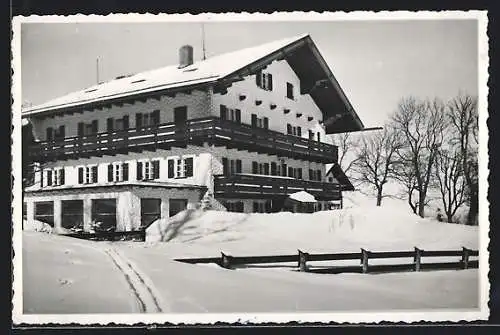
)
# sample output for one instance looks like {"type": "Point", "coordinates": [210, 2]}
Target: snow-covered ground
{"type": "Point", "coordinates": [66, 275]}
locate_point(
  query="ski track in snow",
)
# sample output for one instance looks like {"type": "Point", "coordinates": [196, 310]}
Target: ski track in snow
{"type": "Point", "coordinates": [147, 296]}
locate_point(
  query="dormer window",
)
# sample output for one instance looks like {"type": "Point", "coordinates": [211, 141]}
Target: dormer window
{"type": "Point", "coordinates": [264, 80]}
{"type": "Point", "coordinates": [53, 177]}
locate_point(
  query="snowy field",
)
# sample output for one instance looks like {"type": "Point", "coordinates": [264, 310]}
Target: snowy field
{"type": "Point", "coordinates": [66, 275]}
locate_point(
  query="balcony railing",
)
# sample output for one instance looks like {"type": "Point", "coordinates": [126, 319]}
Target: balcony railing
{"type": "Point", "coordinates": [198, 131]}
{"type": "Point", "coordinates": [260, 187]}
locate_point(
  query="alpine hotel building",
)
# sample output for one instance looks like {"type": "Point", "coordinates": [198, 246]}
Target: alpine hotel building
{"type": "Point", "coordinates": [239, 131]}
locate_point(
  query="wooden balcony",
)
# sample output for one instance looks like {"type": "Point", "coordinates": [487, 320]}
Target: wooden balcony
{"type": "Point", "coordinates": [196, 132]}
{"type": "Point", "coordinates": [269, 187]}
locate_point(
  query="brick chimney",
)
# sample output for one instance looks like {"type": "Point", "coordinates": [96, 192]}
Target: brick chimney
{"type": "Point", "coordinates": [185, 56]}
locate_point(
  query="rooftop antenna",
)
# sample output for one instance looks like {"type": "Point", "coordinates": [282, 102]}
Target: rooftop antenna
{"type": "Point", "coordinates": [97, 69]}
{"type": "Point", "coordinates": [203, 40]}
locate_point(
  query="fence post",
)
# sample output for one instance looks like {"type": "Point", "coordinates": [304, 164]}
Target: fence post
{"type": "Point", "coordinates": [465, 258]}
{"type": "Point", "coordinates": [303, 261]}
{"type": "Point", "coordinates": [364, 260]}
{"type": "Point", "coordinates": [417, 258]}
{"type": "Point", "coordinates": [225, 261]}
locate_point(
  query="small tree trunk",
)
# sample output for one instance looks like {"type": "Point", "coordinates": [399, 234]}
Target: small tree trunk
{"type": "Point", "coordinates": [379, 196]}
{"type": "Point", "coordinates": [421, 204]}
{"type": "Point", "coordinates": [473, 209]}
{"type": "Point", "coordinates": [450, 218]}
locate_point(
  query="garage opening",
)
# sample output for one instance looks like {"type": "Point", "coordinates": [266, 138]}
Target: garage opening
{"type": "Point", "coordinates": [44, 212]}
{"type": "Point", "coordinates": [150, 211]}
{"type": "Point", "coordinates": [104, 214]}
{"type": "Point", "coordinates": [72, 214]}
{"type": "Point", "coordinates": [176, 206]}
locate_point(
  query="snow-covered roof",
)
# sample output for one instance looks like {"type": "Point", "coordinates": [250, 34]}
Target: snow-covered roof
{"type": "Point", "coordinates": [303, 196]}
{"type": "Point", "coordinates": [220, 71]}
{"type": "Point", "coordinates": [171, 76]}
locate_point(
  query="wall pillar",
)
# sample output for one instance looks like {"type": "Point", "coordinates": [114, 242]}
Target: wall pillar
{"type": "Point", "coordinates": [164, 207]}
{"type": "Point", "coordinates": [30, 212]}
{"type": "Point", "coordinates": [57, 215]}
{"type": "Point", "coordinates": [87, 214]}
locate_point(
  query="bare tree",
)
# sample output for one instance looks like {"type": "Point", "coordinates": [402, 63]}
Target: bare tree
{"type": "Point", "coordinates": [376, 158]}
{"type": "Point", "coordinates": [420, 125]}
{"type": "Point", "coordinates": [345, 143]}
{"type": "Point", "coordinates": [451, 181]}
{"type": "Point", "coordinates": [463, 115]}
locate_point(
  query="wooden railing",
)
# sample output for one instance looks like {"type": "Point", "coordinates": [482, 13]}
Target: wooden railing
{"type": "Point", "coordinates": [246, 184]}
{"type": "Point", "coordinates": [302, 258]}
{"type": "Point", "coordinates": [211, 130]}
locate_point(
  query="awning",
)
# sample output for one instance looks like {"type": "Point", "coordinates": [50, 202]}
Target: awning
{"type": "Point", "coordinates": [302, 196]}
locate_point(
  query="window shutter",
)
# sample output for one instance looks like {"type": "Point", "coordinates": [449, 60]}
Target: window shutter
{"type": "Point", "coordinates": [50, 134]}
{"type": "Point", "coordinates": [95, 177]}
{"type": "Point", "coordinates": [290, 172]}
{"type": "Point", "coordinates": [126, 122]}
{"type": "Point", "coordinates": [41, 178]}
{"type": "Point", "coordinates": [170, 168]}
{"type": "Point", "coordinates": [255, 207]}
{"type": "Point", "coordinates": [318, 174]}
{"type": "Point", "coordinates": [268, 206]}
{"type": "Point", "coordinates": [81, 125]}
{"type": "Point", "coordinates": [283, 169]}
{"type": "Point", "coordinates": [311, 174]}
{"type": "Point", "coordinates": [125, 171]}
{"type": "Point", "coordinates": [319, 136]}
{"type": "Point", "coordinates": [311, 134]}
{"type": "Point", "coordinates": [156, 169]}
{"type": "Point", "coordinates": [255, 168]}
{"type": "Point", "coordinates": [110, 172]}
{"type": "Point", "coordinates": [266, 123]}
{"type": "Point", "coordinates": [299, 131]}
{"type": "Point", "coordinates": [238, 166]}
{"type": "Point", "coordinates": [62, 178]}
{"type": "Point", "coordinates": [299, 173]}
{"type": "Point", "coordinates": [189, 166]}
{"type": "Point", "coordinates": [138, 120]}
{"type": "Point", "coordinates": [258, 78]}
{"type": "Point", "coordinates": [254, 120]}
{"type": "Point", "coordinates": [80, 175]}
{"type": "Point", "coordinates": [225, 166]}
{"type": "Point", "coordinates": [223, 112]}
{"type": "Point", "coordinates": [109, 124]}
{"type": "Point", "coordinates": [156, 117]}
{"type": "Point", "coordinates": [238, 116]}
{"type": "Point", "coordinates": [289, 129]}
{"type": "Point", "coordinates": [266, 168]}
{"type": "Point", "coordinates": [269, 82]}
{"type": "Point", "coordinates": [273, 168]}
{"type": "Point", "coordinates": [95, 127]}
{"type": "Point", "coordinates": [49, 178]}
{"type": "Point", "coordinates": [62, 132]}
{"type": "Point", "coordinates": [239, 206]}
{"type": "Point", "coordinates": [139, 170]}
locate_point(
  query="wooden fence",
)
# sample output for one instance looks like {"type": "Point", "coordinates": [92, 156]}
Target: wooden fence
{"type": "Point", "coordinates": [303, 260]}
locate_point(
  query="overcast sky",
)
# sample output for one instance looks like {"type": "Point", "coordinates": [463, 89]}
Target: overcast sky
{"type": "Point", "coordinates": [376, 62]}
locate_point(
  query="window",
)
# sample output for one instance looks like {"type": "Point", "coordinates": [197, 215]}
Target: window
{"type": "Point", "coordinates": [330, 179]}
{"type": "Point", "coordinates": [230, 114]}
{"type": "Point", "coordinates": [87, 174]}
{"type": "Point", "coordinates": [117, 124]}
{"type": "Point", "coordinates": [264, 80]}
{"type": "Point", "coordinates": [176, 205]}
{"type": "Point", "coordinates": [143, 120]}
{"type": "Point", "coordinates": [72, 214]}
{"type": "Point", "coordinates": [293, 130]}
{"type": "Point", "coordinates": [234, 206]}
{"type": "Point", "coordinates": [44, 212]}
{"type": "Point", "coordinates": [289, 91]}
{"type": "Point", "coordinates": [260, 122]}
{"type": "Point", "coordinates": [314, 175]}
{"type": "Point", "coordinates": [88, 129]}
{"type": "Point", "coordinates": [117, 172]}
{"type": "Point", "coordinates": [53, 177]}
{"type": "Point", "coordinates": [262, 206]}
{"type": "Point", "coordinates": [55, 134]}
{"type": "Point", "coordinates": [311, 135]}
{"type": "Point", "coordinates": [148, 170]}
{"type": "Point", "coordinates": [150, 211]}
{"type": "Point", "coordinates": [104, 214]}
{"type": "Point", "coordinates": [180, 167]}
{"type": "Point", "coordinates": [260, 168]}
{"type": "Point", "coordinates": [231, 166]}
